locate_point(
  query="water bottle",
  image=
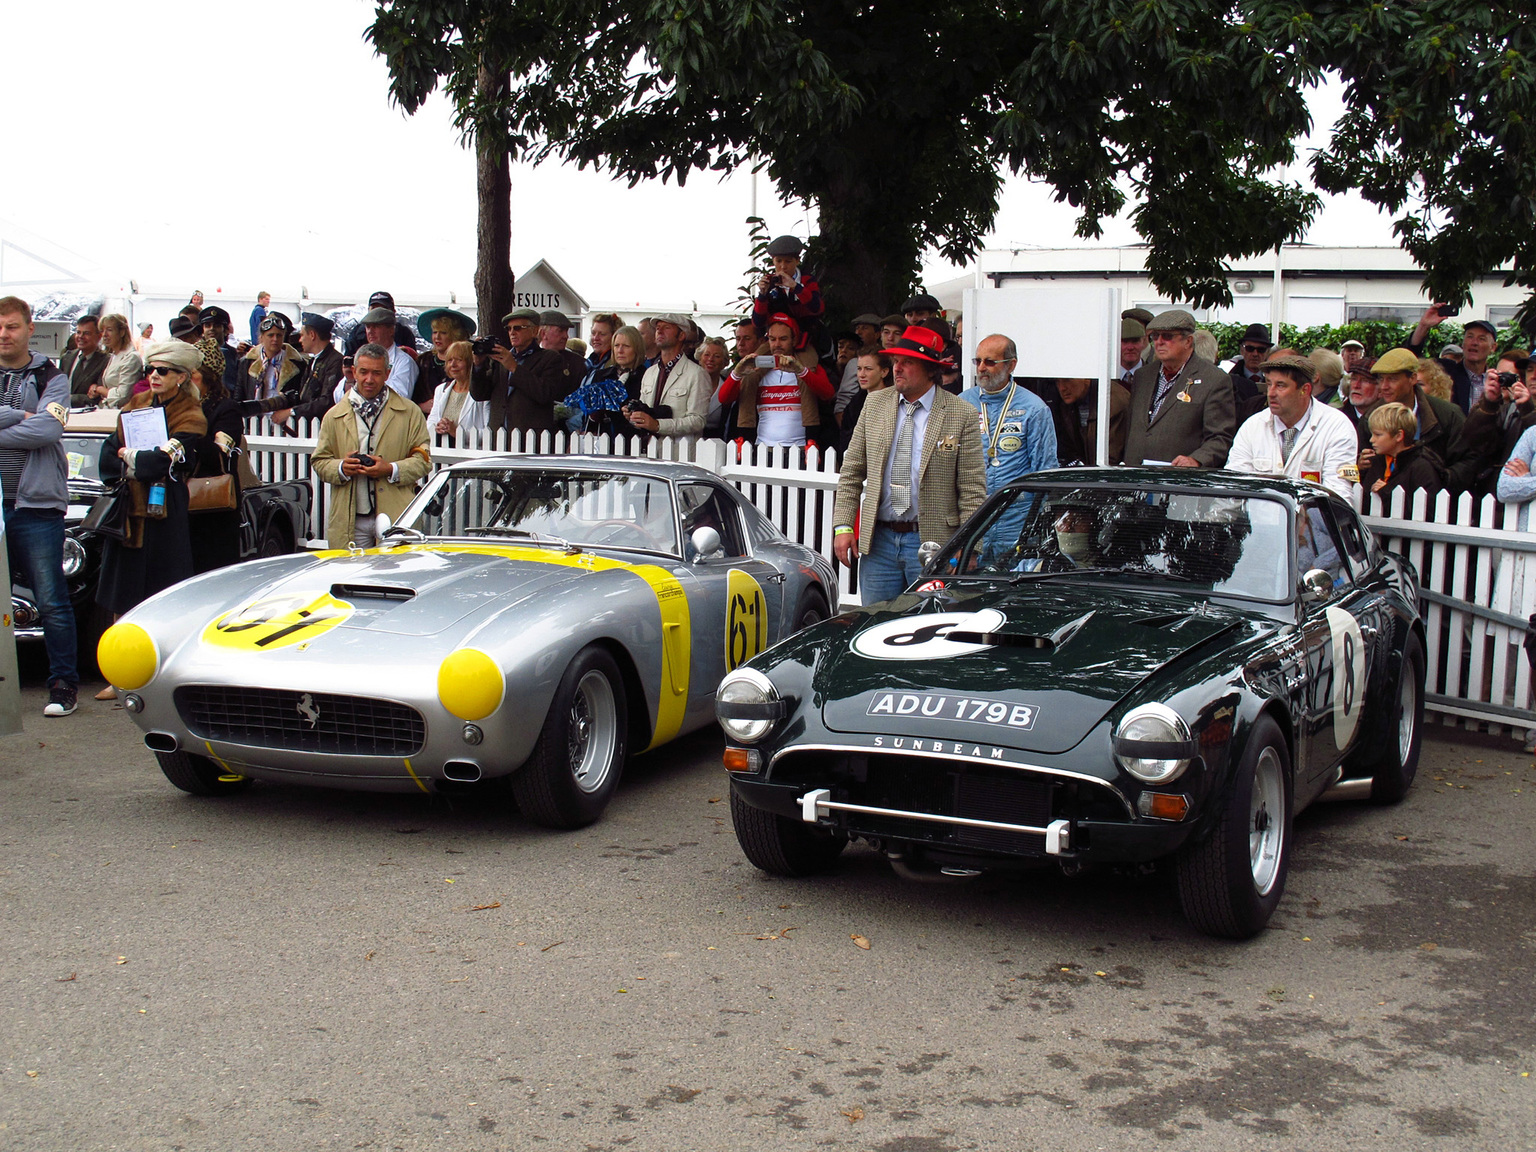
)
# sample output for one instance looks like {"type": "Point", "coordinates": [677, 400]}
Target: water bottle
{"type": "Point", "coordinates": [154, 505]}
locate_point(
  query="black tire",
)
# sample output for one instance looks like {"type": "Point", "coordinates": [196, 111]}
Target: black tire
{"type": "Point", "coordinates": [1230, 884]}
{"type": "Point", "coordinates": [812, 609]}
{"type": "Point", "coordinates": [274, 541]}
{"type": "Point", "coordinates": [1393, 774]}
{"type": "Point", "coordinates": [781, 846]}
{"type": "Point", "coordinates": [91, 621]}
{"type": "Point", "coordinates": [198, 774]}
{"type": "Point", "coordinates": [579, 757]}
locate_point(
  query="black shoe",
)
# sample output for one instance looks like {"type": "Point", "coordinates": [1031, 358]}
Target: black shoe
{"type": "Point", "coordinates": [61, 700]}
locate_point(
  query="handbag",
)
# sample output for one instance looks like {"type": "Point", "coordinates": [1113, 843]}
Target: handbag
{"type": "Point", "coordinates": [212, 493]}
{"type": "Point", "coordinates": [108, 516]}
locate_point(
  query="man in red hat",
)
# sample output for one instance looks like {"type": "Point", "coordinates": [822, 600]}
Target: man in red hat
{"type": "Point", "coordinates": [912, 473]}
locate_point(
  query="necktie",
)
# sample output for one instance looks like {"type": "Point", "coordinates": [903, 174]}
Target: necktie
{"type": "Point", "coordinates": [901, 463]}
{"type": "Point", "coordinates": [1287, 442]}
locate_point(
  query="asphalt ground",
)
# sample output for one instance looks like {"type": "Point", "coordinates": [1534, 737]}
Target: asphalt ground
{"type": "Point", "coordinates": [304, 969]}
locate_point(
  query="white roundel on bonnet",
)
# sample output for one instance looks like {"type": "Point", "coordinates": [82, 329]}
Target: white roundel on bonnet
{"type": "Point", "coordinates": [925, 637]}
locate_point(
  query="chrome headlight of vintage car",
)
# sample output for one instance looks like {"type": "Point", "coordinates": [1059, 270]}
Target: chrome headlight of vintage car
{"type": "Point", "coordinates": [747, 705]}
{"type": "Point", "coordinates": [74, 557]}
{"type": "Point", "coordinates": [1153, 743]}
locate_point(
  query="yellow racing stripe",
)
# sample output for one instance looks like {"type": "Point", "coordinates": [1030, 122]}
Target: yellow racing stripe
{"type": "Point", "coordinates": [671, 600]}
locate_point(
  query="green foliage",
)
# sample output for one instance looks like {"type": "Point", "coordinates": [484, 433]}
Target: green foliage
{"type": "Point", "coordinates": [896, 121]}
{"type": "Point", "coordinates": [1377, 335]}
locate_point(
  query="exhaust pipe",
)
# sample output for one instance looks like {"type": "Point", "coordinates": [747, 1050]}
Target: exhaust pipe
{"type": "Point", "coordinates": [161, 742]}
{"type": "Point", "coordinates": [464, 771]}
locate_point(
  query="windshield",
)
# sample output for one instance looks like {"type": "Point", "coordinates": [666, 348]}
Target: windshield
{"type": "Point", "coordinates": [589, 508]}
{"type": "Point", "coordinates": [1233, 544]}
{"type": "Point", "coordinates": [83, 453]}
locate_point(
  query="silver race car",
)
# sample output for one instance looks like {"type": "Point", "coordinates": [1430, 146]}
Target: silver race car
{"type": "Point", "coordinates": [528, 617]}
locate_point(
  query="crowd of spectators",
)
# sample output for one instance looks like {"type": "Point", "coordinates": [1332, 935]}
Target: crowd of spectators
{"type": "Point", "coordinates": [886, 392]}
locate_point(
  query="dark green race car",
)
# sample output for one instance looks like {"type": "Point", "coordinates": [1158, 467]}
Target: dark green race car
{"type": "Point", "coordinates": [1104, 667]}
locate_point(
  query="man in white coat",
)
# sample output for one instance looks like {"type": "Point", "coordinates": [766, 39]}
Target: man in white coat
{"type": "Point", "coordinates": [1296, 436]}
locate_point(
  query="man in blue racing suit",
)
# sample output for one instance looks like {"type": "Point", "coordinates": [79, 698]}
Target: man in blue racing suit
{"type": "Point", "coordinates": [1018, 435]}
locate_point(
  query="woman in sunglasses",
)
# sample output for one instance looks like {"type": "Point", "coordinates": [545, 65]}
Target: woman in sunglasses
{"type": "Point", "coordinates": [157, 551]}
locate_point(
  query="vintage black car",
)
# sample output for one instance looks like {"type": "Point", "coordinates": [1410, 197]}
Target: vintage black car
{"type": "Point", "coordinates": [1104, 666]}
{"type": "Point", "coordinates": [274, 520]}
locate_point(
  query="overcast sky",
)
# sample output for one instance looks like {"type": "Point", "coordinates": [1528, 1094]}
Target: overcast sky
{"type": "Point", "coordinates": [236, 146]}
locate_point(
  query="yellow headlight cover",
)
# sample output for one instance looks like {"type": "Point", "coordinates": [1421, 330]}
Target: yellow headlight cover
{"type": "Point", "coordinates": [127, 656]}
{"type": "Point", "coordinates": [470, 684]}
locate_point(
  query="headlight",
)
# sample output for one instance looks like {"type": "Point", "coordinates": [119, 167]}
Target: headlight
{"type": "Point", "coordinates": [1153, 744]}
{"type": "Point", "coordinates": [470, 684]}
{"type": "Point", "coordinates": [747, 705]}
{"type": "Point", "coordinates": [74, 557]}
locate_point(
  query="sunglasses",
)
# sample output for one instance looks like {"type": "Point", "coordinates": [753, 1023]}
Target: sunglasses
{"type": "Point", "coordinates": [163, 370]}
{"type": "Point", "coordinates": [1255, 348]}
{"type": "Point", "coordinates": [978, 361]}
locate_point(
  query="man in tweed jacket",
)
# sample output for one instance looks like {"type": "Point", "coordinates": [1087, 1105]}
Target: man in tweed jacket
{"type": "Point", "coordinates": [1182, 409]}
{"type": "Point", "coordinates": [945, 483]}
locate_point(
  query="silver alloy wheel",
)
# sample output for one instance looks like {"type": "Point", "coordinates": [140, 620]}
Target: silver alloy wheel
{"type": "Point", "coordinates": [593, 733]}
{"type": "Point", "coordinates": [1266, 821]}
{"type": "Point", "coordinates": [1408, 716]}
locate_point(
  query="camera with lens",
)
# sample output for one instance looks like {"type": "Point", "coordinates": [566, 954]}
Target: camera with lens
{"type": "Point", "coordinates": [485, 346]}
{"type": "Point", "coordinates": [1507, 379]}
{"type": "Point", "coordinates": [658, 412]}
{"type": "Point", "coordinates": [364, 459]}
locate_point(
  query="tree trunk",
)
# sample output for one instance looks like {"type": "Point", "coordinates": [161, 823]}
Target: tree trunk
{"type": "Point", "coordinates": [493, 194]}
{"type": "Point", "coordinates": [866, 254]}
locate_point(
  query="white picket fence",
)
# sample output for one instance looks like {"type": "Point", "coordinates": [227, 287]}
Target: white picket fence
{"type": "Point", "coordinates": [1479, 591]}
{"type": "Point", "coordinates": [1479, 579]}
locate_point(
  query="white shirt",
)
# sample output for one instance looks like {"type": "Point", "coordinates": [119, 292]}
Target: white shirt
{"type": "Point", "coordinates": [1326, 443]}
{"type": "Point", "coordinates": [402, 371]}
{"type": "Point", "coordinates": [923, 407]}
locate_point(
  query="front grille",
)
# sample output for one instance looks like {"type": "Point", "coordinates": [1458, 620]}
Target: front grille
{"type": "Point", "coordinates": [301, 721]}
{"type": "Point", "coordinates": [1004, 801]}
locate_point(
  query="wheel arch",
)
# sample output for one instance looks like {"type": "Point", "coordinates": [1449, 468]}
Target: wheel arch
{"type": "Point", "coordinates": [642, 722]}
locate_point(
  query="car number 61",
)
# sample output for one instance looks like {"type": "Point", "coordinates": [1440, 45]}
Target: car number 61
{"type": "Point", "coordinates": [746, 618]}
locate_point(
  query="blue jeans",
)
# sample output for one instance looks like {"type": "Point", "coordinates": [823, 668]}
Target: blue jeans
{"type": "Point", "coordinates": [890, 566]}
{"type": "Point", "coordinates": [35, 543]}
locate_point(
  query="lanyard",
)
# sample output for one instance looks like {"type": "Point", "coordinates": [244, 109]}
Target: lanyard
{"type": "Point", "coordinates": [992, 435]}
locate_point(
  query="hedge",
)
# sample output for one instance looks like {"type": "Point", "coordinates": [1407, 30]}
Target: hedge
{"type": "Point", "coordinates": [1377, 336]}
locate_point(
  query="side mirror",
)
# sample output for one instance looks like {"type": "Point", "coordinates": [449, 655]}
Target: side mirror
{"type": "Point", "coordinates": [1316, 585]}
{"type": "Point", "coordinates": [926, 551]}
{"type": "Point", "coordinates": [706, 543]}
{"type": "Point", "coordinates": [382, 524]}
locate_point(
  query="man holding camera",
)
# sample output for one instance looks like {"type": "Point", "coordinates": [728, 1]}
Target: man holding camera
{"type": "Point", "coordinates": [780, 391]}
{"type": "Point", "coordinates": [787, 290]}
{"type": "Point", "coordinates": [674, 393]}
{"type": "Point", "coordinates": [372, 450]}
{"type": "Point", "coordinates": [522, 381]}
{"type": "Point", "coordinates": [1504, 410]}
{"type": "Point", "coordinates": [1477, 344]}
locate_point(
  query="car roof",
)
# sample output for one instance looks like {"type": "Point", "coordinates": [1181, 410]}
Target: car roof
{"type": "Point", "coordinates": [634, 465]}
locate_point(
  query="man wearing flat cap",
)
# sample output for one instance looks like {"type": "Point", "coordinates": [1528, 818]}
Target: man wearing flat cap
{"type": "Point", "coordinates": [403, 337]}
{"type": "Point", "coordinates": [1295, 435]}
{"type": "Point", "coordinates": [787, 289]}
{"type": "Point", "coordinates": [322, 374]}
{"type": "Point", "coordinates": [1133, 345]}
{"type": "Point", "coordinates": [523, 382]}
{"type": "Point", "coordinates": [379, 325]}
{"type": "Point", "coordinates": [1182, 409]}
{"type": "Point", "coordinates": [555, 334]}
{"type": "Point", "coordinates": [913, 470]}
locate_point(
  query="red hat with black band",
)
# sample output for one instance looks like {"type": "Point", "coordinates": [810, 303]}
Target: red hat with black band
{"type": "Point", "coordinates": [921, 344]}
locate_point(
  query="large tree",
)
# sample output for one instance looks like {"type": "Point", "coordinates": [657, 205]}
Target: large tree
{"type": "Point", "coordinates": [896, 119]}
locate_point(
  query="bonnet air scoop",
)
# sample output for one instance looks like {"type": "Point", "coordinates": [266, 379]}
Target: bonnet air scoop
{"type": "Point", "coordinates": [372, 592]}
{"type": "Point", "coordinates": [1045, 643]}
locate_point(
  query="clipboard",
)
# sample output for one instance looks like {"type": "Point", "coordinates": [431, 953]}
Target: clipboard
{"type": "Point", "coordinates": [144, 429]}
